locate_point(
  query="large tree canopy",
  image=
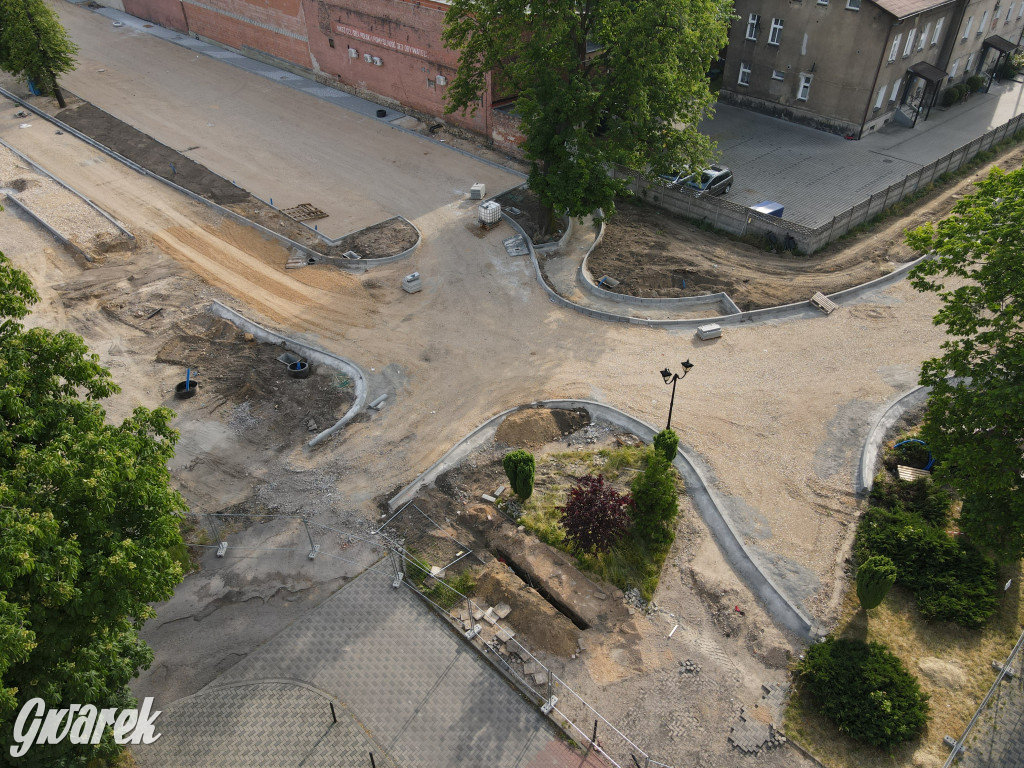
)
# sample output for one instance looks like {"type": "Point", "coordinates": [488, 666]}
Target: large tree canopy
{"type": "Point", "coordinates": [595, 82]}
{"type": "Point", "coordinates": [974, 423]}
{"type": "Point", "coordinates": [88, 527]}
{"type": "Point", "coordinates": [34, 45]}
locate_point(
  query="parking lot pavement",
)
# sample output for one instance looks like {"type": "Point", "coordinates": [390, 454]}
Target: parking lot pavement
{"type": "Point", "coordinates": [817, 175]}
{"type": "Point", "coordinates": [403, 685]}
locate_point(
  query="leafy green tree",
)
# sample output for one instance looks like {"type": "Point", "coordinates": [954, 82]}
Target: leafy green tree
{"type": "Point", "coordinates": [666, 443]}
{"type": "Point", "coordinates": [88, 525]}
{"type": "Point", "coordinates": [875, 578]}
{"type": "Point", "coordinates": [655, 501]}
{"type": "Point", "coordinates": [520, 467]}
{"type": "Point", "coordinates": [33, 44]}
{"type": "Point", "coordinates": [865, 690]}
{"type": "Point", "coordinates": [974, 421]}
{"type": "Point", "coordinates": [595, 82]}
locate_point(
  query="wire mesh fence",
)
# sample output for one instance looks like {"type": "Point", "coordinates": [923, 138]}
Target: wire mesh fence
{"type": "Point", "coordinates": [479, 624]}
{"type": "Point", "coordinates": [994, 737]}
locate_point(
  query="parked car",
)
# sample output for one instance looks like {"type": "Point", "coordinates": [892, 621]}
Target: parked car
{"type": "Point", "coordinates": [716, 180]}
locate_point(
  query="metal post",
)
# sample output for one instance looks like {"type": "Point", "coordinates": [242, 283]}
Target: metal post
{"type": "Point", "coordinates": [372, 764]}
{"type": "Point", "coordinates": [593, 738]}
{"type": "Point", "coordinates": [672, 401]}
{"type": "Point", "coordinates": [213, 524]}
{"type": "Point", "coordinates": [334, 717]}
{"type": "Point", "coordinates": [550, 685]}
{"type": "Point", "coordinates": [308, 534]}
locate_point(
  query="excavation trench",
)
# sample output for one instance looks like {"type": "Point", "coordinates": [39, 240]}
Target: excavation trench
{"type": "Point", "coordinates": [537, 584]}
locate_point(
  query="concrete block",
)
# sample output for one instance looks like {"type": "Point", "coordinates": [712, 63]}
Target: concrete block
{"type": "Point", "coordinates": [490, 617]}
{"type": "Point", "coordinates": [412, 283]}
{"type": "Point", "coordinates": [505, 634]}
{"type": "Point", "coordinates": [709, 331]}
{"type": "Point", "coordinates": [502, 610]}
{"type": "Point", "coordinates": [478, 191]}
{"type": "Point", "coordinates": [485, 497]}
{"type": "Point", "coordinates": [478, 612]}
{"type": "Point", "coordinates": [501, 490]}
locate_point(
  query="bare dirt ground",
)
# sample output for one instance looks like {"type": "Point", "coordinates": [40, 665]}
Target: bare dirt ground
{"type": "Point", "coordinates": [775, 410]}
{"type": "Point", "coordinates": [654, 254]}
{"type": "Point", "coordinates": [676, 693]}
{"type": "Point", "coordinates": [379, 240]}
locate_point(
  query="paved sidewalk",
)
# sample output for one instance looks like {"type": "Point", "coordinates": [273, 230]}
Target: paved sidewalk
{"type": "Point", "coordinates": [817, 175]}
{"type": "Point", "coordinates": [404, 688]}
{"type": "Point", "coordinates": [997, 740]}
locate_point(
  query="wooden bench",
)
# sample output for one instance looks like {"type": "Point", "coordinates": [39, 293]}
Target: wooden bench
{"type": "Point", "coordinates": [824, 303]}
{"type": "Point", "coordinates": [910, 474]}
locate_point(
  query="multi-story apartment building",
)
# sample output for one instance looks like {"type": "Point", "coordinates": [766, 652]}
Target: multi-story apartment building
{"type": "Point", "coordinates": [852, 66]}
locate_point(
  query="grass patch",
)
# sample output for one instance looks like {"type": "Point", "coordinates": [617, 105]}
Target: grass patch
{"type": "Point", "coordinates": [898, 624]}
{"type": "Point", "coordinates": [630, 563]}
{"type": "Point", "coordinates": [446, 593]}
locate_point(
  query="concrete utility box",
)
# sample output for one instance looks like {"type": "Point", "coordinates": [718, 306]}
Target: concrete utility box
{"type": "Point", "coordinates": [412, 283]}
{"type": "Point", "coordinates": [768, 208]}
{"type": "Point", "coordinates": [709, 331]}
{"type": "Point", "coordinates": [477, 192]}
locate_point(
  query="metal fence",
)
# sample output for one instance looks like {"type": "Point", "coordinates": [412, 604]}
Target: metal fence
{"type": "Point", "coordinates": [739, 220]}
{"type": "Point", "coordinates": [498, 643]}
{"type": "Point", "coordinates": [1006, 698]}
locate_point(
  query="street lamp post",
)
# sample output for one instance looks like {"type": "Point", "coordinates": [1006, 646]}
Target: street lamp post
{"type": "Point", "coordinates": [672, 378]}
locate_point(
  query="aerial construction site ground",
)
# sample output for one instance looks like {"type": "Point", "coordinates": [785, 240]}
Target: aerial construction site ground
{"type": "Point", "coordinates": [776, 412]}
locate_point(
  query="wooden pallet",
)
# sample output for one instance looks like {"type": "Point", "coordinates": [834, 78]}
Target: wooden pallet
{"type": "Point", "coordinates": [910, 474]}
{"type": "Point", "coordinates": [304, 212]}
{"type": "Point", "coordinates": [824, 303]}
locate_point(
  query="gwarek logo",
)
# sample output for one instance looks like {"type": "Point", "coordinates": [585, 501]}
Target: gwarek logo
{"type": "Point", "coordinates": [81, 725]}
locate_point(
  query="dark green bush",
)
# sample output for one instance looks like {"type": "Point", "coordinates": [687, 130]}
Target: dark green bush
{"type": "Point", "coordinates": [666, 443]}
{"type": "Point", "coordinates": [520, 467]}
{"type": "Point", "coordinates": [865, 690]}
{"type": "Point", "coordinates": [922, 497]}
{"type": "Point", "coordinates": [654, 499]}
{"type": "Point", "coordinates": [910, 454]}
{"type": "Point", "coordinates": [975, 83]}
{"type": "Point", "coordinates": [951, 579]}
{"type": "Point", "coordinates": [875, 578]}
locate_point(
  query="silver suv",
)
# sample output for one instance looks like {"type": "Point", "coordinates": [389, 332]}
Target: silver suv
{"type": "Point", "coordinates": [716, 180]}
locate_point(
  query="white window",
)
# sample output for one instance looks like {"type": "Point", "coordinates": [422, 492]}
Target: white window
{"type": "Point", "coordinates": [881, 97]}
{"type": "Point", "coordinates": [752, 24]}
{"type": "Point", "coordinates": [984, 21]}
{"type": "Point", "coordinates": [822, 2]}
{"type": "Point", "coordinates": [894, 51]}
{"type": "Point", "coordinates": [1008, 12]}
{"type": "Point", "coordinates": [910, 43]}
{"type": "Point", "coordinates": [967, 29]}
{"type": "Point", "coordinates": [938, 28]}
{"type": "Point", "coordinates": [805, 87]}
{"type": "Point", "coordinates": [776, 32]}
{"type": "Point", "coordinates": [1020, 10]}
{"type": "Point", "coordinates": [953, 69]}
{"type": "Point", "coordinates": [853, 5]}
{"type": "Point", "coordinates": [895, 90]}
{"type": "Point", "coordinates": [967, 66]}
{"type": "Point", "coordinates": [778, 74]}
{"type": "Point", "coordinates": [744, 74]}
{"type": "Point", "coordinates": [924, 36]}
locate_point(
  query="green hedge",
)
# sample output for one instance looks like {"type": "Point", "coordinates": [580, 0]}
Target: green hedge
{"type": "Point", "coordinates": [922, 496]}
{"type": "Point", "coordinates": [865, 690]}
{"type": "Point", "coordinates": [951, 579]}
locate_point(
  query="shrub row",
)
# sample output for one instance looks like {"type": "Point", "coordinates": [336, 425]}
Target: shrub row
{"type": "Point", "coordinates": [950, 578]}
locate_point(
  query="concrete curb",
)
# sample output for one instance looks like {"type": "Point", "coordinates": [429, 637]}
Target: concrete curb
{"type": "Point", "coordinates": [803, 309]}
{"type": "Point", "coordinates": [353, 266]}
{"type": "Point", "coordinates": [876, 436]}
{"type": "Point", "coordinates": [49, 228]}
{"type": "Point", "coordinates": [705, 498]}
{"type": "Point", "coordinates": [313, 354]}
{"type": "Point", "coordinates": [72, 190]}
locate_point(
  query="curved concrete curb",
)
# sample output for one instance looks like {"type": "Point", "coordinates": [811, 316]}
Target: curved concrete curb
{"type": "Point", "coordinates": [39, 169]}
{"type": "Point", "coordinates": [45, 225]}
{"type": "Point", "coordinates": [354, 266]}
{"type": "Point", "coordinates": [369, 263]}
{"type": "Point", "coordinates": [783, 312]}
{"type": "Point", "coordinates": [779, 606]}
{"type": "Point", "coordinates": [312, 354]}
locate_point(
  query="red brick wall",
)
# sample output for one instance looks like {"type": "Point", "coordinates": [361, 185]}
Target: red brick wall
{"type": "Point", "coordinates": [404, 37]}
{"type": "Point", "coordinates": [166, 13]}
{"type": "Point", "coordinates": [276, 27]}
{"type": "Point", "coordinates": [505, 133]}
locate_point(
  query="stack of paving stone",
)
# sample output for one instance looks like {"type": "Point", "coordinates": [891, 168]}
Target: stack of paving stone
{"type": "Point", "coordinates": [758, 727]}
